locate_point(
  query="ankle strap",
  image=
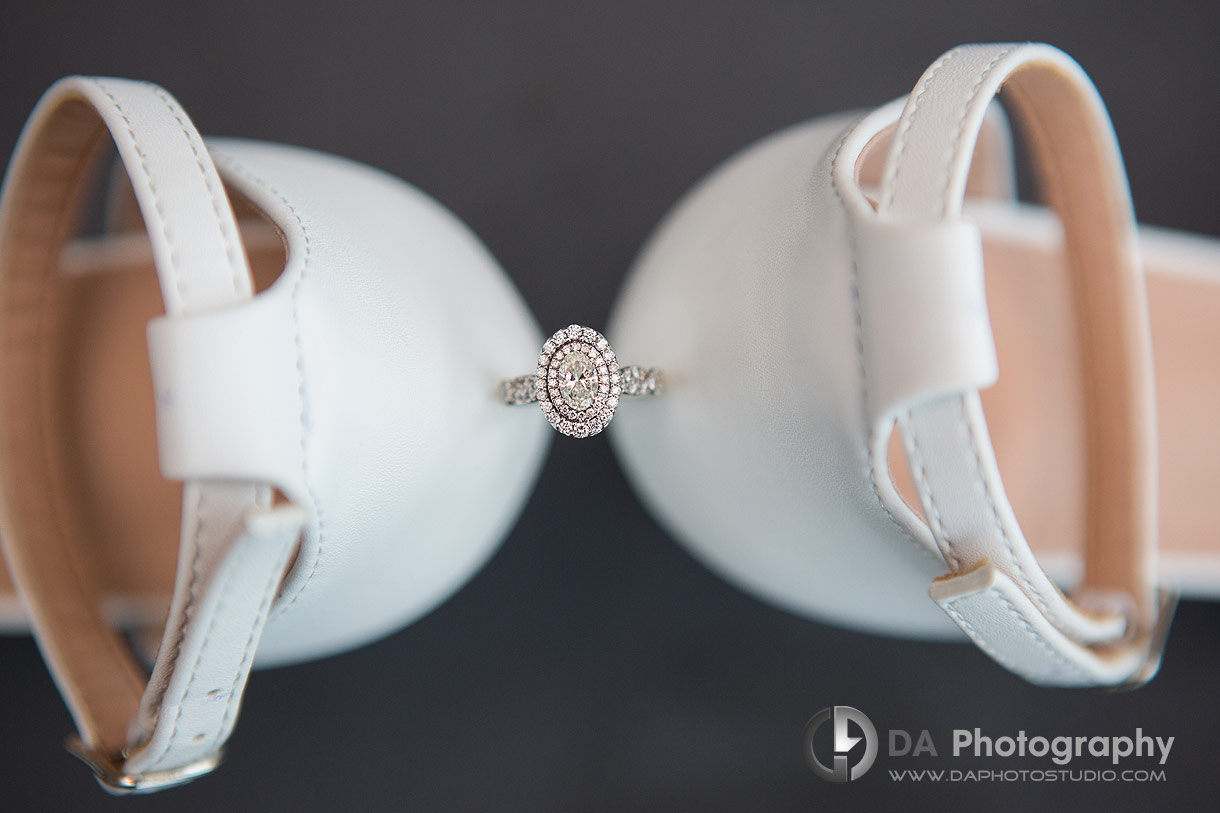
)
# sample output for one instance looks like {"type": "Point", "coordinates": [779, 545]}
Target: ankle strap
{"type": "Point", "coordinates": [137, 735]}
{"type": "Point", "coordinates": [996, 591]}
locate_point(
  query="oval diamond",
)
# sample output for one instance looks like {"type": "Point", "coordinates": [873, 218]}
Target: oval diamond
{"type": "Point", "coordinates": [575, 370]}
{"type": "Point", "coordinates": [577, 381]}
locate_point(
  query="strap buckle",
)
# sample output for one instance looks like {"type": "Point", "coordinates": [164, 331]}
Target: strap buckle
{"type": "Point", "coordinates": [114, 780]}
{"type": "Point", "coordinates": [1166, 604]}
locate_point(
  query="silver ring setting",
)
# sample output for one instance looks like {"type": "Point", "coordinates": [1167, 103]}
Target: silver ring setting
{"type": "Point", "coordinates": [578, 382]}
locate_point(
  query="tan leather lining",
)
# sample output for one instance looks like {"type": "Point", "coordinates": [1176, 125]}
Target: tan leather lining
{"type": "Point", "coordinates": [104, 388]}
{"type": "Point", "coordinates": [1035, 412]}
{"type": "Point", "coordinates": [46, 191]}
{"type": "Point", "coordinates": [1077, 179]}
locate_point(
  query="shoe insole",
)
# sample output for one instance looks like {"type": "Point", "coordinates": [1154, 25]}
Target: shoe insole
{"type": "Point", "coordinates": [1035, 413]}
{"type": "Point", "coordinates": [100, 386]}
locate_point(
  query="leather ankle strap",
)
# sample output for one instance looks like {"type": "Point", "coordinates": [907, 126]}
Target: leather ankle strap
{"type": "Point", "coordinates": [996, 591]}
{"type": "Point", "coordinates": [137, 734]}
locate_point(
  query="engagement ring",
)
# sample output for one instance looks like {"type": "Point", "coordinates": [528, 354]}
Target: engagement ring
{"type": "Point", "coordinates": [579, 382]}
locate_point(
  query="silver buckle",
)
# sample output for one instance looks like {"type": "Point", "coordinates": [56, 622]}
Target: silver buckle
{"type": "Point", "coordinates": [113, 779]}
{"type": "Point", "coordinates": [1167, 602]}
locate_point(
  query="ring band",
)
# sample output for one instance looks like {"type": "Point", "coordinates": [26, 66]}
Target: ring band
{"type": "Point", "coordinates": [578, 382]}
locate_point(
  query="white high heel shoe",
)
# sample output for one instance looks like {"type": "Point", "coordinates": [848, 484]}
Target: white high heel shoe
{"type": "Point", "coordinates": [321, 382]}
{"type": "Point", "coordinates": [803, 309]}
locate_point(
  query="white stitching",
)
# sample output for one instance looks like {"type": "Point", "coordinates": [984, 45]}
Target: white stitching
{"type": "Point", "coordinates": [890, 177]}
{"type": "Point", "coordinates": [980, 641]}
{"type": "Point", "coordinates": [961, 126]}
{"type": "Point", "coordinates": [861, 371]}
{"type": "Point", "coordinates": [188, 609]}
{"type": "Point", "coordinates": [319, 519]}
{"type": "Point", "coordinates": [269, 591]}
{"type": "Point", "coordinates": [973, 443]}
{"type": "Point", "coordinates": [203, 647]}
{"type": "Point", "coordinates": [918, 471]}
{"type": "Point", "coordinates": [1003, 660]}
{"type": "Point", "coordinates": [223, 223]}
{"type": "Point", "coordinates": [1033, 633]}
{"type": "Point", "coordinates": [152, 188]}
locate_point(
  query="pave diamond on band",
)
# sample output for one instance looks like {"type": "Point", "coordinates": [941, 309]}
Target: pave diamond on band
{"type": "Point", "coordinates": [578, 382]}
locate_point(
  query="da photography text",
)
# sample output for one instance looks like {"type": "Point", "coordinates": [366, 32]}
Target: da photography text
{"type": "Point", "coordinates": [851, 743]}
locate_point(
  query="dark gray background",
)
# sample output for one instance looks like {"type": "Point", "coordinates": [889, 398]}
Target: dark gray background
{"type": "Point", "coordinates": [610, 671]}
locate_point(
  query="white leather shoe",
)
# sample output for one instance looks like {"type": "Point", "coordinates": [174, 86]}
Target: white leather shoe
{"type": "Point", "coordinates": [826, 285]}
{"type": "Point", "coordinates": [325, 343]}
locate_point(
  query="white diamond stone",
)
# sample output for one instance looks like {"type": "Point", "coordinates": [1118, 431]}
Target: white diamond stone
{"type": "Point", "coordinates": [577, 381]}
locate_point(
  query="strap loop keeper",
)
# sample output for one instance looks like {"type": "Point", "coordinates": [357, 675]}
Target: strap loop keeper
{"type": "Point", "coordinates": [226, 392]}
{"type": "Point", "coordinates": [924, 308]}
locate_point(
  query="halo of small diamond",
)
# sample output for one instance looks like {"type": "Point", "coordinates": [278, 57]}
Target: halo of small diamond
{"type": "Point", "coordinates": [561, 395]}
